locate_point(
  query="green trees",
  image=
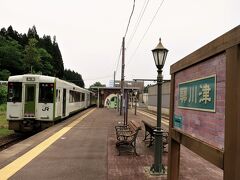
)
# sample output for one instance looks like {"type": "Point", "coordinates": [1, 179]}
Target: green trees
{"type": "Point", "coordinates": [4, 74]}
{"type": "Point", "coordinates": [3, 94]}
{"type": "Point", "coordinates": [45, 62]}
{"type": "Point", "coordinates": [146, 88]}
{"type": "Point", "coordinates": [26, 53]}
{"type": "Point", "coordinates": [32, 33]}
{"type": "Point", "coordinates": [31, 60]}
{"type": "Point", "coordinates": [58, 62]}
{"type": "Point", "coordinates": [73, 77]}
{"type": "Point", "coordinates": [98, 84]}
{"type": "Point", "coordinates": [10, 56]}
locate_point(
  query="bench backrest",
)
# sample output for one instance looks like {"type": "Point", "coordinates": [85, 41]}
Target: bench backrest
{"type": "Point", "coordinates": [134, 126]}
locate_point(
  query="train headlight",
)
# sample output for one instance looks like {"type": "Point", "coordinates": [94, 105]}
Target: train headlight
{"type": "Point", "coordinates": [45, 117]}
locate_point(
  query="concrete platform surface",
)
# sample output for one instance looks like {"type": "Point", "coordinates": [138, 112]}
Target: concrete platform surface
{"type": "Point", "coordinates": [84, 148]}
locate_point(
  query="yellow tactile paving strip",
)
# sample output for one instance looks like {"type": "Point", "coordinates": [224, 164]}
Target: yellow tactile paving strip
{"type": "Point", "coordinates": [9, 170]}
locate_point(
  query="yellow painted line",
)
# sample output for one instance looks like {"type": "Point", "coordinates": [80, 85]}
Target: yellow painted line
{"type": "Point", "coordinates": [154, 117]}
{"type": "Point", "coordinates": [9, 170]}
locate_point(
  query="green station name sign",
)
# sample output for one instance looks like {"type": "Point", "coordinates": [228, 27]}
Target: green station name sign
{"type": "Point", "coordinates": [198, 94]}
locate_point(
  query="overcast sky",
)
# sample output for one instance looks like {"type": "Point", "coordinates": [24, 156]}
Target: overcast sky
{"type": "Point", "coordinates": [89, 33]}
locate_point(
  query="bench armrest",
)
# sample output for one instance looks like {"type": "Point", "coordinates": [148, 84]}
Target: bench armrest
{"type": "Point", "coordinates": [121, 126]}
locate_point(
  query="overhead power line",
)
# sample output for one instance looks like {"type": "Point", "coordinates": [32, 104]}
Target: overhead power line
{"type": "Point", "coordinates": [118, 60]}
{"type": "Point", "coordinates": [131, 58]}
{"type": "Point", "coordinates": [138, 21]}
{"type": "Point", "coordinates": [125, 36]}
{"type": "Point", "coordinates": [130, 18]}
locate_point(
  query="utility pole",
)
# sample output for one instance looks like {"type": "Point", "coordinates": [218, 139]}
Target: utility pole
{"type": "Point", "coordinates": [135, 100]}
{"type": "Point", "coordinates": [122, 77]}
{"type": "Point", "coordinates": [114, 77]}
{"type": "Point", "coordinates": [126, 109]}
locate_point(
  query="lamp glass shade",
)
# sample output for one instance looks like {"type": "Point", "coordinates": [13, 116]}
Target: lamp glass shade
{"type": "Point", "coordinates": [159, 55]}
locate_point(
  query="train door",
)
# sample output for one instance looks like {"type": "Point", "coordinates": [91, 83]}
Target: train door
{"type": "Point", "coordinates": [64, 103]}
{"type": "Point", "coordinates": [29, 106]}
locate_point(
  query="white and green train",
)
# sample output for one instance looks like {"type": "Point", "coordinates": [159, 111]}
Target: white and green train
{"type": "Point", "coordinates": [36, 102]}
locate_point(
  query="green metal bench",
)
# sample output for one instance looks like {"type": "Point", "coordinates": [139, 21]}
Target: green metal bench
{"type": "Point", "coordinates": [149, 134]}
{"type": "Point", "coordinates": [127, 136]}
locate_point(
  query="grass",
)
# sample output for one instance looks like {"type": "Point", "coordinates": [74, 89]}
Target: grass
{"type": "Point", "coordinates": [3, 121]}
{"type": "Point", "coordinates": [3, 108]}
{"type": "Point", "coordinates": [5, 132]}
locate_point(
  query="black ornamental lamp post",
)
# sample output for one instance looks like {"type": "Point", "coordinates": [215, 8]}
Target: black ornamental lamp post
{"type": "Point", "coordinates": [135, 100]}
{"type": "Point", "coordinates": [159, 55]}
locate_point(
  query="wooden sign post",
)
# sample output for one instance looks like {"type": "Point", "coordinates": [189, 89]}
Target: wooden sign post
{"type": "Point", "coordinates": [205, 106]}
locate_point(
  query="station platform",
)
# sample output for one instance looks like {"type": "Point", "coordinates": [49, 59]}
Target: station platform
{"type": "Point", "coordinates": [83, 148]}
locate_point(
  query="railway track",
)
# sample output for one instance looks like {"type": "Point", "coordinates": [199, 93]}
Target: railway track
{"type": "Point", "coordinates": [153, 113]}
{"type": "Point", "coordinates": [12, 139]}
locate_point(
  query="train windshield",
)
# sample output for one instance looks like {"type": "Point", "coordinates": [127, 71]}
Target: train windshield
{"type": "Point", "coordinates": [46, 92]}
{"type": "Point", "coordinates": [14, 92]}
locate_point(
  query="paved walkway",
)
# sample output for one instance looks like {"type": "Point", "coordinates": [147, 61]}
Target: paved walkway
{"type": "Point", "coordinates": [87, 151]}
{"type": "Point", "coordinates": [192, 167]}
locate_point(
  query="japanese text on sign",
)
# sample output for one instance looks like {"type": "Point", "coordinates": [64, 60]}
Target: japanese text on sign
{"type": "Point", "coordinates": [198, 94]}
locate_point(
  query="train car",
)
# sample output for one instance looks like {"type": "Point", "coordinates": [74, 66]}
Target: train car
{"type": "Point", "coordinates": [36, 102]}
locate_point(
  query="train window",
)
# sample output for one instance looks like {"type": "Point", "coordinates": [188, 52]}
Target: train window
{"type": "Point", "coordinates": [83, 97]}
{"type": "Point", "coordinates": [77, 96]}
{"type": "Point", "coordinates": [30, 94]}
{"type": "Point", "coordinates": [57, 95]}
{"type": "Point", "coordinates": [74, 96]}
{"type": "Point", "coordinates": [70, 96]}
{"type": "Point", "coordinates": [14, 92]}
{"type": "Point", "coordinates": [46, 92]}
{"type": "Point", "coordinates": [58, 98]}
